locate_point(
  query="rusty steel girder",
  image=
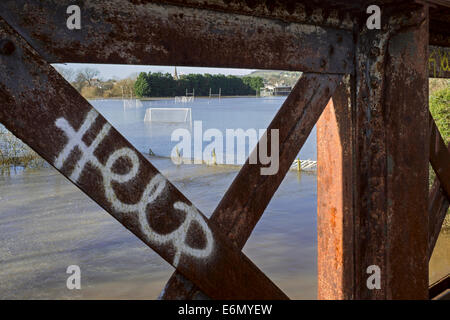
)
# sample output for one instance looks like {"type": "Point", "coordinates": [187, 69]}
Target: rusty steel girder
{"type": "Point", "coordinates": [439, 287]}
{"type": "Point", "coordinates": [438, 199]}
{"type": "Point", "coordinates": [132, 32]}
{"type": "Point", "coordinates": [439, 156]}
{"type": "Point", "coordinates": [49, 115]}
{"type": "Point", "coordinates": [391, 160]}
{"type": "Point", "coordinates": [389, 168]}
{"type": "Point", "coordinates": [248, 196]}
{"type": "Point", "coordinates": [335, 240]}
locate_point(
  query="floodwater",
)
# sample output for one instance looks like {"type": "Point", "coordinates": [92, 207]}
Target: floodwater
{"type": "Point", "coordinates": [47, 224]}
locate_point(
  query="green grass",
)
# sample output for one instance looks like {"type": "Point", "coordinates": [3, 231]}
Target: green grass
{"type": "Point", "coordinates": [440, 110]}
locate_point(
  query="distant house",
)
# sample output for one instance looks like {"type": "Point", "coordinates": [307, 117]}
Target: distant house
{"type": "Point", "coordinates": [96, 83]}
{"type": "Point", "coordinates": [271, 90]}
{"type": "Point", "coordinates": [282, 91]}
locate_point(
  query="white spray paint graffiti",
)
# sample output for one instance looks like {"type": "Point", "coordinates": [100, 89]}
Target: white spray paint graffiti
{"type": "Point", "coordinates": [153, 189]}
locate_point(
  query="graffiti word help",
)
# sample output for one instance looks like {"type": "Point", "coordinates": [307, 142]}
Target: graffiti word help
{"type": "Point", "coordinates": [152, 191]}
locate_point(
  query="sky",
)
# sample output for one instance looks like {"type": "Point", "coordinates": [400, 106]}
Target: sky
{"type": "Point", "coordinates": [121, 71]}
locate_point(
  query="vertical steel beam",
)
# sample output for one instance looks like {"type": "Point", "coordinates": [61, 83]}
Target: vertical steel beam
{"type": "Point", "coordinates": [334, 198]}
{"type": "Point", "coordinates": [391, 156]}
{"type": "Point", "coordinates": [373, 168]}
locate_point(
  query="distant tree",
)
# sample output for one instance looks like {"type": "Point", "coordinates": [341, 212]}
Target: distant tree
{"type": "Point", "coordinates": [87, 75]}
{"type": "Point", "coordinates": [91, 92]}
{"type": "Point", "coordinates": [158, 84]}
{"type": "Point", "coordinates": [125, 86]}
{"type": "Point", "coordinates": [256, 83]}
{"type": "Point", "coordinates": [142, 85]}
{"type": "Point", "coordinates": [79, 83]}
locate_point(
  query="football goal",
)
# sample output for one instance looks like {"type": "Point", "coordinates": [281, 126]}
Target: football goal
{"type": "Point", "coordinates": [168, 115]}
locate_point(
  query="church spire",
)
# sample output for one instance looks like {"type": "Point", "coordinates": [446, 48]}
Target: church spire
{"type": "Point", "coordinates": [175, 75]}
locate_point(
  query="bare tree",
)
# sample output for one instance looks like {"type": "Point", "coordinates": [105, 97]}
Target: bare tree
{"type": "Point", "coordinates": [87, 74]}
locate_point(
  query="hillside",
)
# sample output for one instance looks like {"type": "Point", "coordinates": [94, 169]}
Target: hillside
{"type": "Point", "coordinates": [274, 77]}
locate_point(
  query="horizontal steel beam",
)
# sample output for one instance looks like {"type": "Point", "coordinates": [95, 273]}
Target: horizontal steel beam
{"type": "Point", "coordinates": [329, 13]}
{"type": "Point", "coordinates": [439, 287]}
{"type": "Point", "coordinates": [48, 114]}
{"type": "Point", "coordinates": [439, 62]}
{"type": "Point", "coordinates": [128, 32]}
{"type": "Point", "coordinates": [248, 196]}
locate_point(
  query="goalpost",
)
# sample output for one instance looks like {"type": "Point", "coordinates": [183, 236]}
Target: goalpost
{"type": "Point", "coordinates": [168, 115]}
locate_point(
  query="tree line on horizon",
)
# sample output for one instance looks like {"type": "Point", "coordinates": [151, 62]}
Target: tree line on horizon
{"type": "Point", "coordinates": [159, 84]}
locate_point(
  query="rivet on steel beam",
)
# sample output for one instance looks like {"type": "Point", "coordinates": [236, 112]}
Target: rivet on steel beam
{"type": "Point", "coordinates": [6, 47]}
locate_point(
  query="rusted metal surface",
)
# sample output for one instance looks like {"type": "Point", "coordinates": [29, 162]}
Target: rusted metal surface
{"type": "Point", "coordinates": [438, 199]}
{"type": "Point", "coordinates": [119, 31]}
{"type": "Point", "coordinates": [337, 14]}
{"type": "Point", "coordinates": [439, 287]}
{"type": "Point", "coordinates": [391, 157]}
{"type": "Point", "coordinates": [439, 24]}
{"type": "Point", "coordinates": [49, 115]}
{"type": "Point", "coordinates": [334, 198]}
{"type": "Point", "coordinates": [342, 14]}
{"type": "Point", "coordinates": [334, 13]}
{"type": "Point", "coordinates": [439, 62]}
{"type": "Point", "coordinates": [248, 196]}
{"type": "Point", "coordinates": [439, 157]}
{"type": "Point", "coordinates": [438, 205]}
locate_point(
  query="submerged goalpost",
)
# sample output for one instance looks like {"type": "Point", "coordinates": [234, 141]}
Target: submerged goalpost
{"type": "Point", "coordinates": [168, 115]}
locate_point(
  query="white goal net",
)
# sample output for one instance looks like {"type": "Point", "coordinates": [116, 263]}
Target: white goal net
{"type": "Point", "coordinates": [168, 115]}
{"type": "Point", "coordinates": [131, 103]}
